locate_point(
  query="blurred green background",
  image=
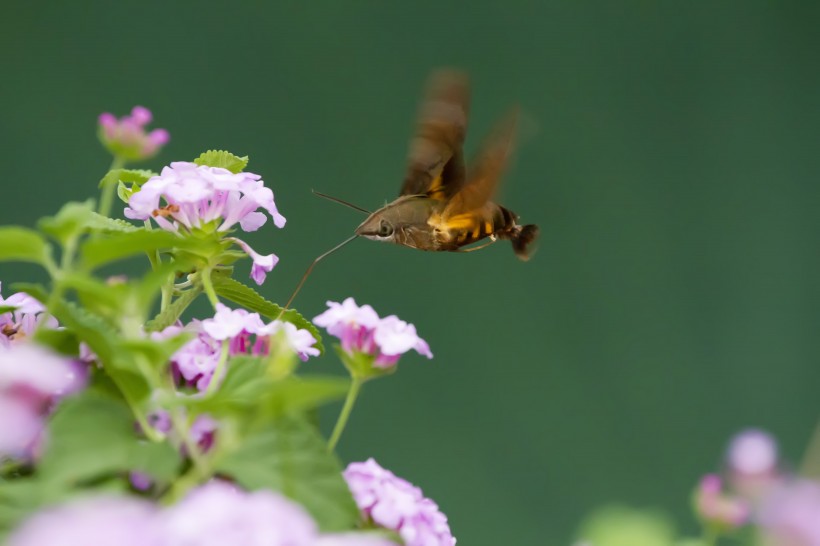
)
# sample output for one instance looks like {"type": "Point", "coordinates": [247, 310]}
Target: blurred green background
{"type": "Point", "coordinates": [670, 156]}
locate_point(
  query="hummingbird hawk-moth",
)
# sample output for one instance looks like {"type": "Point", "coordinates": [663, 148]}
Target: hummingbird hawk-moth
{"type": "Point", "coordinates": [443, 205]}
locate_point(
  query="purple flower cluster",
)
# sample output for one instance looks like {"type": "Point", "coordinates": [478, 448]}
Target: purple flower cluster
{"type": "Point", "coordinates": [126, 137]}
{"type": "Point", "coordinates": [215, 514]}
{"type": "Point", "coordinates": [360, 330]}
{"type": "Point", "coordinates": [396, 504]}
{"type": "Point", "coordinates": [191, 197]}
{"type": "Point", "coordinates": [245, 333]}
{"type": "Point", "coordinates": [32, 379]}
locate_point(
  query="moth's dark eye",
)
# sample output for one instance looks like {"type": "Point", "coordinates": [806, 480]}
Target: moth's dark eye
{"type": "Point", "coordinates": [385, 230]}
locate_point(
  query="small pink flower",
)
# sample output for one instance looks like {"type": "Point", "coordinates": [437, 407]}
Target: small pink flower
{"type": "Point", "coordinates": [718, 508]}
{"type": "Point", "coordinates": [360, 329]}
{"type": "Point", "coordinates": [127, 137]}
{"type": "Point", "coordinates": [394, 503]}
{"type": "Point", "coordinates": [300, 341]}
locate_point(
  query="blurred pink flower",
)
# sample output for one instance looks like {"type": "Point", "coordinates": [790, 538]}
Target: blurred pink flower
{"type": "Point", "coordinates": [127, 137]}
{"type": "Point", "coordinates": [790, 515]}
{"type": "Point", "coordinates": [124, 521]}
{"type": "Point", "coordinates": [394, 503]}
{"type": "Point", "coordinates": [718, 508]}
{"type": "Point", "coordinates": [219, 513]}
{"type": "Point", "coordinates": [361, 330]}
{"type": "Point", "coordinates": [32, 380]}
{"type": "Point", "coordinates": [752, 463]}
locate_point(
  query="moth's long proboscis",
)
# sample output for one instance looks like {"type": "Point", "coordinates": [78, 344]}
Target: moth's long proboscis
{"type": "Point", "coordinates": [307, 273]}
{"type": "Point", "coordinates": [341, 201]}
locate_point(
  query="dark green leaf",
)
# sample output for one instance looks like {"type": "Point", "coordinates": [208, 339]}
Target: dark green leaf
{"type": "Point", "coordinates": [289, 456]}
{"type": "Point", "coordinates": [103, 250]}
{"type": "Point", "coordinates": [174, 311]}
{"type": "Point", "coordinates": [221, 158]}
{"type": "Point", "coordinates": [77, 218]}
{"type": "Point", "coordinates": [89, 435]}
{"type": "Point", "coordinates": [93, 435]}
{"type": "Point", "coordinates": [249, 298]}
{"type": "Point", "coordinates": [24, 245]}
{"type": "Point", "coordinates": [100, 336]}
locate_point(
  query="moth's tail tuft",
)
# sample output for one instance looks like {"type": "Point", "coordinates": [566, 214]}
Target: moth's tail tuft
{"type": "Point", "coordinates": [522, 238]}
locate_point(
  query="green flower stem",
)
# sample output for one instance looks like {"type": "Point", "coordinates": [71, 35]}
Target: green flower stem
{"type": "Point", "coordinates": [219, 371]}
{"type": "Point", "coordinates": [209, 287]}
{"type": "Point", "coordinates": [107, 196]}
{"type": "Point", "coordinates": [352, 394]}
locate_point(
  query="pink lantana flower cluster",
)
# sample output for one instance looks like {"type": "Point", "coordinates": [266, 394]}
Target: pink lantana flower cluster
{"type": "Point", "coordinates": [127, 137]}
{"type": "Point", "coordinates": [360, 330]}
{"type": "Point", "coordinates": [394, 503]}
{"type": "Point", "coordinates": [245, 333]}
{"type": "Point", "coordinates": [216, 513]}
{"type": "Point", "coordinates": [190, 197]}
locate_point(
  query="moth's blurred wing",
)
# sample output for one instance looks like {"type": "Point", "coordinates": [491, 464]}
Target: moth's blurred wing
{"type": "Point", "coordinates": [435, 165]}
{"type": "Point", "coordinates": [486, 171]}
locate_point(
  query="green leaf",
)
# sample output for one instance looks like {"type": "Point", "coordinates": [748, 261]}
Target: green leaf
{"type": "Point", "coordinates": [36, 291]}
{"type": "Point", "coordinates": [137, 176]}
{"type": "Point", "coordinates": [7, 309]}
{"type": "Point", "coordinates": [62, 340]}
{"type": "Point", "coordinates": [249, 298]}
{"type": "Point", "coordinates": [104, 250]}
{"type": "Point", "coordinates": [100, 336]}
{"type": "Point", "coordinates": [91, 436]}
{"type": "Point", "coordinates": [76, 218]}
{"type": "Point", "coordinates": [221, 158]}
{"type": "Point", "coordinates": [69, 221]}
{"type": "Point", "coordinates": [24, 245]}
{"type": "Point", "coordinates": [21, 497]}
{"type": "Point", "coordinates": [289, 456]}
{"type": "Point", "coordinates": [172, 313]}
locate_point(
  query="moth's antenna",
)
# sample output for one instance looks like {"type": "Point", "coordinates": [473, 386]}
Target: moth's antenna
{"type": "Point", "coordinates": [341, 202]}
{"type": "Point", "coordinates": [309, 269]}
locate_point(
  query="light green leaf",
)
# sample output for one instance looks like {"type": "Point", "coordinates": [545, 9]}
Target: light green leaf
{"type": "Point", "coordinates": [69, 221]}
{"type": "Point", "coordinates": [7, 308]}
{"type": "Point", "coordinates": [137, 176]}
{"type": "Point", "coordinates": [221, 158]}
{"type": "Point", "coordinates": [289, 456]}
{"type": "Point", "coordinates": [24, 245]}
{"type": "Point", "coordinates": [249, 298]}
{"type": "Point", "coordinates": [172, 313]}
